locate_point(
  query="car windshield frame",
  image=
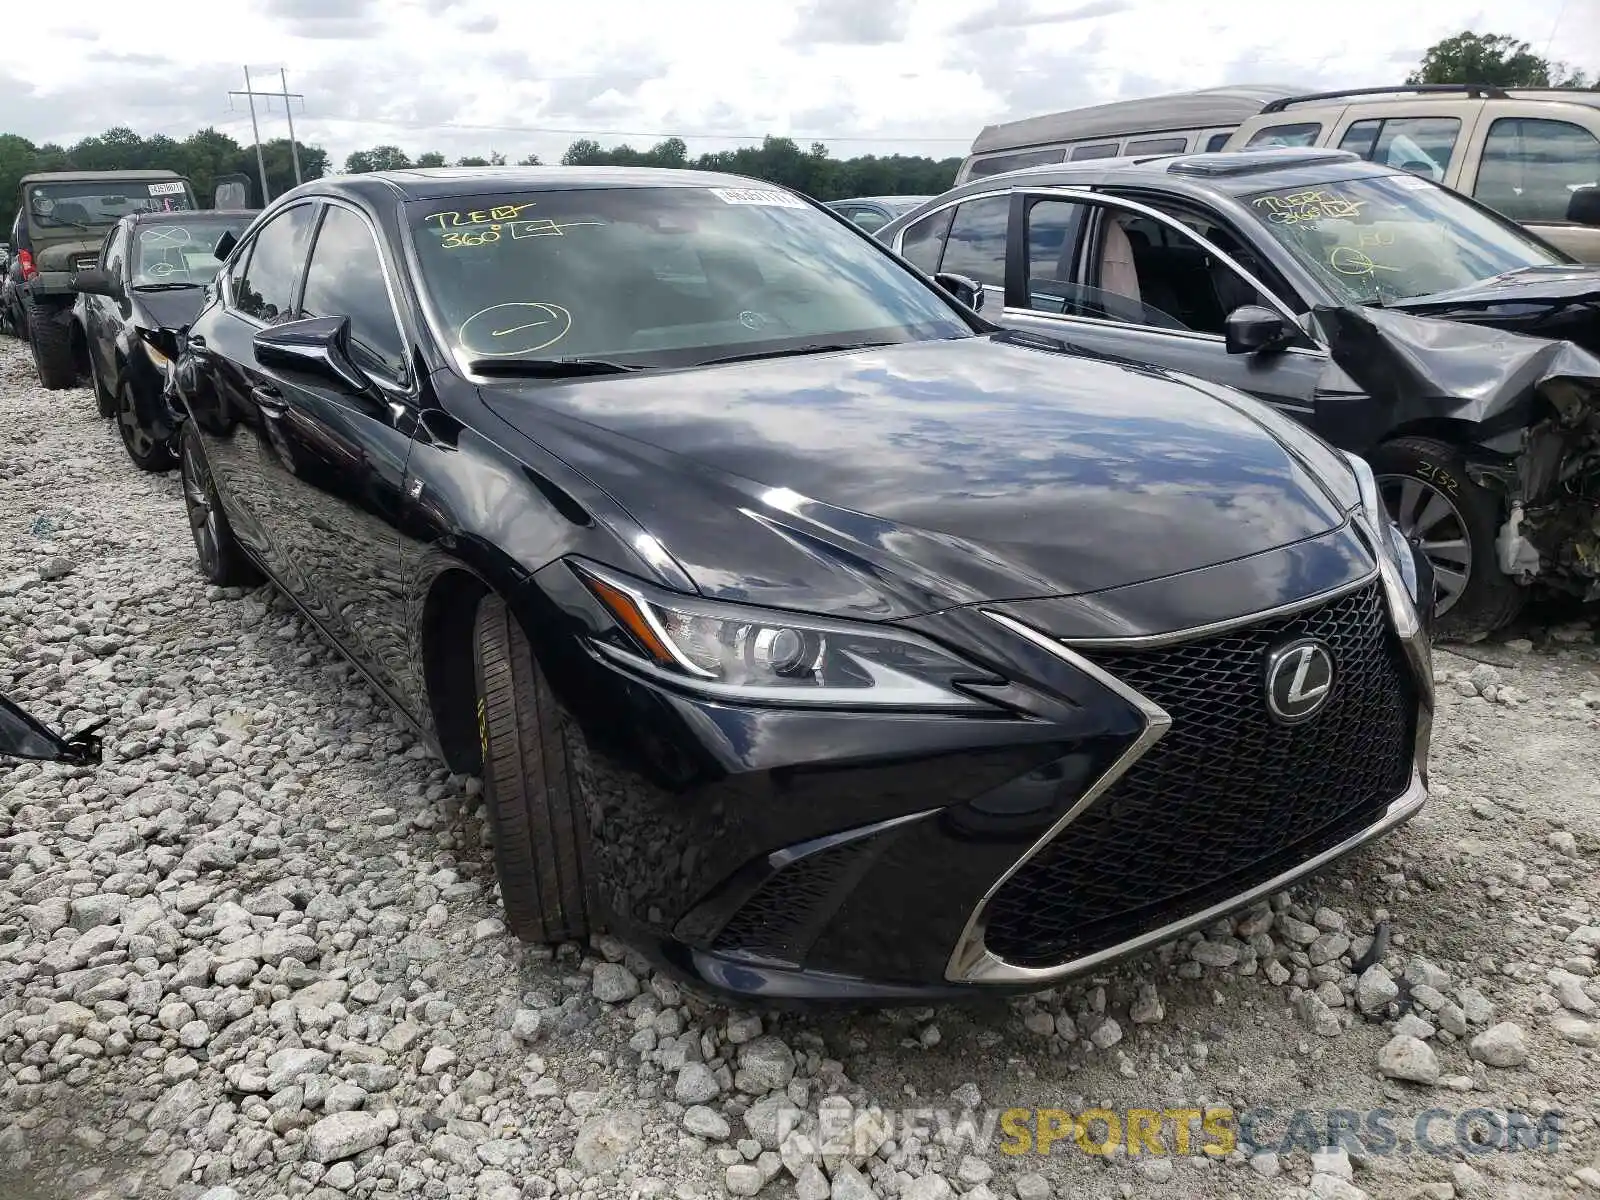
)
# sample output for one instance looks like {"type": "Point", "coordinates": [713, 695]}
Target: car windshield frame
{"type": "Point", "coordinates": [78, 190]}
{"type": "Point", "coordinates": [687, 212]}
{"type": "Point", "coordinates": [175, 250]}
{"type": "Point", "coordinates": [1319, 226]}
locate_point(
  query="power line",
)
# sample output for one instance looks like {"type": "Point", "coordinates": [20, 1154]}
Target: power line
{"type": "Point", "coordinates": [706, 135]}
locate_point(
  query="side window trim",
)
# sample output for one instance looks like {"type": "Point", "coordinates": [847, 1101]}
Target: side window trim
{"type": "Point", "coordinates": [249, 250]}
{"type": "Point", "coordinates": [1106, 200]}
{"type": "Point", "coordinates": [403, 379]}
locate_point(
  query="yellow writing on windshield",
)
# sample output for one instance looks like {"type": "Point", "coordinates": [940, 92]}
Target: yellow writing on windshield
{"type": "Point", "coordinates": [1347, 260]}
{"type": "Point", "coordinates": [482, 216]}
{"type": "Point", "coordinates": [483, 234]}
{"type": "Point", "coordinates": [1313, 205]}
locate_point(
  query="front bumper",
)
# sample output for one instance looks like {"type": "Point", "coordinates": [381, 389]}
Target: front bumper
{"type": "Point", "coordinates": [793, 856]}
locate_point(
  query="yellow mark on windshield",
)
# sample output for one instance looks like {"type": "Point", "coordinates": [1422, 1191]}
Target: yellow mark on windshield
{"type": "Point", "coordinates": [482, 216]}
{"type": "Point", "coordinates": [1347, 260]}
{"type": "Point", "coordinates": [486, 233]}
{"type": "Point", "coordinates": [1311, 205]}
{"type": "Point", "coordinates": [517, 327]}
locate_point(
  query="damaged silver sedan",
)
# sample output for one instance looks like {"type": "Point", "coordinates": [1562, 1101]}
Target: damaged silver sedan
{"type": "Point", "coordinates": [1396, 318]}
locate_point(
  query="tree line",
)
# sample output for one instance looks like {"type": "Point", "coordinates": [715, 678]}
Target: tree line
{"type": "Point", "coordinates": [207, 155]}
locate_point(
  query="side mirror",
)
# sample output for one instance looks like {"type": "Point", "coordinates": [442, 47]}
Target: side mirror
{"type": "Point", "coordinates": [95, 282]}
{"type": "Point", "coordinates": [23, 737]}
{"type": "Point", "coordinates": [1584, 206]}
{"type": "Point", "coordinates": [319, 345]}
{"type": "Point", "coordinates": [967, 290]}
{"type": "Point", "coordinates": [225, 244]}
{"type": "Point", "coordinates": [1251, 329]}
{"type": "Point", "coordinates": [166, 341]}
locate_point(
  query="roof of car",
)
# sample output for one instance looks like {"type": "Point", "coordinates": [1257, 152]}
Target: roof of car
{"type": "Point", "coordinates": [435, 183]}
{"type": "Point", "coordinates": [188, 214]}
{"type": "Point", "coordinates": [881, 200]}
{"type": "Point", "coordinates": [1152, 114]}
{"type": "Point", "coordinates": [1231, 171]}
{"type": "Point", "coordinates": [91, 176]}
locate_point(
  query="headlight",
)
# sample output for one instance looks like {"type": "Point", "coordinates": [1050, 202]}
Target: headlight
{"type": "Point", "coordinates": [737, 653]}
{"type": "Point", "coordinates": [1398, 568]}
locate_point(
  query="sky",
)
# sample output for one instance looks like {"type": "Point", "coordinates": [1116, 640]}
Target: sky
{"type": "Point", "coordinates": [863, 76]}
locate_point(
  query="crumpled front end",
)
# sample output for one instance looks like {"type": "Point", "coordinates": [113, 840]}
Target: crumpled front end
{"type": "Point", "coordinates": [1533, 408]}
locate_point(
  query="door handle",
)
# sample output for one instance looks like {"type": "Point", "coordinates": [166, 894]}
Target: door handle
{"type": "Point", "coordinates": [269, 401]}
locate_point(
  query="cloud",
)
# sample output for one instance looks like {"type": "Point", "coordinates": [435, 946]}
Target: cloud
{"type": "Point", "coordinates": [850, 22]}
{"type": "Point", "coordinates": [863, 76]}
{"type": "Point", "coordinates": [336, 19]}
{"type": "Point", "coordinates": [1018, 14]}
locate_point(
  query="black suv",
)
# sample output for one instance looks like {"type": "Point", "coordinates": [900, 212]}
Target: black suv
{"type": "Point", "coordinates": [1311, 279]}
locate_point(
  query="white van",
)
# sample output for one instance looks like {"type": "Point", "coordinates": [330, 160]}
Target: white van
{"type": "Point", "coordinates": [1173, 124]}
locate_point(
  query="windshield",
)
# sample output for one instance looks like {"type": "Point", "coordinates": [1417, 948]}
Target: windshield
{"type": "Point", "coordinates": [174, 253]}
{"type": "Point", "coordinates": [667, 276]}
{"type": "Point", "coordinates": [1394, 237]}
{"type": "Point", "coordinates": [90, 203]}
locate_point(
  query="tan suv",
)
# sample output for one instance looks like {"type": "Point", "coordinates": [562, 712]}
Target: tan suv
{"type": "Point", "coordinates": [1526, 152]}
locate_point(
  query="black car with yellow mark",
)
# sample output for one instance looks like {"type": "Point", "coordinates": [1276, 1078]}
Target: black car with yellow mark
{"type": "Point", "coordinates": [809, 631]}
{"type": "Point", "coordinates": [1402, 321]}
{"type": "Point", "coordinates": [152, 273]}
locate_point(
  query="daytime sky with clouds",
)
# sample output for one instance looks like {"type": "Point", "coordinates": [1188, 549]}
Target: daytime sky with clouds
{"type": "Point", "coordinates": [864, 76]}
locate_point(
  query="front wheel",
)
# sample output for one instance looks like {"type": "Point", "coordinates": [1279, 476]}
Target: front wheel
{"type": "Point", "coordinates": [1453, 522]}
{"type": "Point", "coordinates": [148, 451]}
{"type": "Point", "coordinates": [222, 560]}
{"type": "Point", "coordinates": [536, 814]}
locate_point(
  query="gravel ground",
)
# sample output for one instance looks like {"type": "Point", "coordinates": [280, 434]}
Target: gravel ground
{"type": "Point", "coordinates": [257, 953]}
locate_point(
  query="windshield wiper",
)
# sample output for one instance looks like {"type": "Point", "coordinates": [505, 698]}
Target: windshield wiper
{"type": "Point", "coordinates": [164, 287]}
{"type": "Point", "coordinates": [549, 368]}
{"type": "Point", "coordinates": [814, 348]}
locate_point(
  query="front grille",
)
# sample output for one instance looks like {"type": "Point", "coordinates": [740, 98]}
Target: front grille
{"type": "Point", "coordinates": [782, 918]}
{"type": "Point", "coordinates": [1228, 798]}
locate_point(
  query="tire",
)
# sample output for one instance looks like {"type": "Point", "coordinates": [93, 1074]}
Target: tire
{"type": "Point", "coordinates": [105, 401]}
{"type": "Point", "coordinates": [222, 560]}
{"type": "Point", "coordinates": [149, 453]}
{"type": "Point", "coordinates": [536, 815]}
{"type": "Point", "coordinates": [51, 338]}
{"type": "Point", "coordinates": [1428, 492]}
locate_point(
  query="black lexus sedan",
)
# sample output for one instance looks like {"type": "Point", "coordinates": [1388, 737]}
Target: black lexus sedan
{"type": "Point", "coordinates": [152, 272]}
{"type": "Point", "coordinates": [811, 633]}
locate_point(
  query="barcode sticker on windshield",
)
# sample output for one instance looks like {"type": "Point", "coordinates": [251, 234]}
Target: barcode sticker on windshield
{"type": "Point", "coordinates": [757, 196]}
{"type": "Point", "coordinates": [166, 189]}
{"type": "Point", "coordinates": [1411, 183]}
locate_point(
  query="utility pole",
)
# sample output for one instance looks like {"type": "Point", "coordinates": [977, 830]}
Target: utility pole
{"type": "Point", "coordinates": [294, 150]}
{"type": "Point", "coordinates": [286, 96]}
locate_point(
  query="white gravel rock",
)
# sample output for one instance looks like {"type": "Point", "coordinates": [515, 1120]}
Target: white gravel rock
{"type": "Point", "coordinates": [1502, 1045]}
{"type": "Point", "coordinates": [1410, 1059]}
{"type": "Point", "coordinates": [344, 1135]}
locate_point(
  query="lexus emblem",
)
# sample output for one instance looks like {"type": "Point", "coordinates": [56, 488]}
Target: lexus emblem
{"type": "Point", "coordinates": [1299, 680]}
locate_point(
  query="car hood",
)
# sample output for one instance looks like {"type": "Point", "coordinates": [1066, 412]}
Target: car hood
{"type": "Point", "coordinates": [1561, 302]}
{"type": "Point", "coordinates": [887, 481]}
{"type": "Point", "coordinates": [167, 310]}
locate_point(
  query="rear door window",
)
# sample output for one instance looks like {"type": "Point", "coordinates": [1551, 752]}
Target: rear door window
{"type": "Point", "coordinates": [1096, 150]}
{"type": "Point", "coordinates": [1299, 133]}
{"type": "Point", "coordinates": [976, 246]}
{"type": "Point", "coordinates": [1531, 166]}
{"type": "Point", "coordinates": [1421, 145]}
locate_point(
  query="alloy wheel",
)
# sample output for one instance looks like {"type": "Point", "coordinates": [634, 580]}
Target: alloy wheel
{"type": "Point", "coordinates": [1431, 522]}
{"type": "Point", "coordinates": [134, 435]}
{"type": "Point", "coordinates": [202, 507]}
